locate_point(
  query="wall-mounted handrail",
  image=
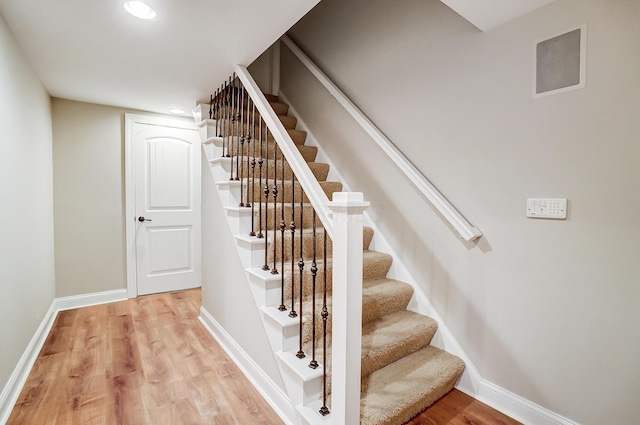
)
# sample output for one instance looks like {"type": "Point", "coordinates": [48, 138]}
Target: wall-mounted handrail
{"type": "Point", "coordinates": [466, 230]}
{"type": "Point", "coordinates": [307, 180]}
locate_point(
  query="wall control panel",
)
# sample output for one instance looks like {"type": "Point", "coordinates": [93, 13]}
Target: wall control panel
{"type": "Point", "coordinates": [547, 208]}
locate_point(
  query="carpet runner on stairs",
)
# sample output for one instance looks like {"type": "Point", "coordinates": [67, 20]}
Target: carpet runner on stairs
{"type": "Point", "coordinates": [402, 374]}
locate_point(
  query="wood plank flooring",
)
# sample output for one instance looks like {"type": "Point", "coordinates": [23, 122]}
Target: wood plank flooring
{"type": "Point", "coordinates": [143, 361]}
{"type": "Point", "coordinates": [149, 361]}
{"type": "Point", "coordinates": [457, 408]}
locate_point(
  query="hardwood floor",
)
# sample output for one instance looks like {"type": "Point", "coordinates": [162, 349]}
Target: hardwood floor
{"type": "Point", "coordinates": [137, 362]}
{"type": "Point", "coordinates": [457, 408]}
{"type": "Point", "coordinates": [149, 361]}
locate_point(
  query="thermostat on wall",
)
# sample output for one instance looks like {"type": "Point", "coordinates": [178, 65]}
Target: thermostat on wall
{"type": "Point", "coordinates": [547, 208]}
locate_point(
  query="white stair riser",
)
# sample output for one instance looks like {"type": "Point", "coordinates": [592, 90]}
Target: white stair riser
{"type": "Point", "coordinates": [207, 128]}
{"type": "Point", "coordinates": [302, 389]}
{"type": "Point", "coordinates": [268, 290]}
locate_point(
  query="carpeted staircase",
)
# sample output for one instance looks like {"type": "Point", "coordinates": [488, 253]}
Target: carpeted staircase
{"type": "Point", "coordinates": [402, 373]}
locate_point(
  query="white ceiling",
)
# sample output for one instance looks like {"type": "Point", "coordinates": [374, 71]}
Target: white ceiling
{"type": "Point", "coordinates": [488, 14]}
{"type": "Point", "coordinates": [93, 51]}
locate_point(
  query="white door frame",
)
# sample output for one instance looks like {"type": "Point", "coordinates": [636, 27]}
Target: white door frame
{"type": "Point", "coordinates": [129, 187]}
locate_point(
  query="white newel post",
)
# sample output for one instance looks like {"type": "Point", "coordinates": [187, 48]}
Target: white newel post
{"type": "Point", "coordinates": [347, 208]}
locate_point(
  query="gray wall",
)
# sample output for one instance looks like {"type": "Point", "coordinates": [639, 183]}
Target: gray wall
{"type": "Point", "coordinates": [548, 310]}
{"type": "Point", "coordinates": [88, 169]}
{"type": "Point", "coordinates": [26, 207]}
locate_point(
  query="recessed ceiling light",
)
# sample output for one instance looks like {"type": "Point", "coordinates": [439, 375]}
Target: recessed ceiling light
{"type": "Point", "coordinates": [177, 111]}
{"type": "Point", "coordinates": [140, 9]}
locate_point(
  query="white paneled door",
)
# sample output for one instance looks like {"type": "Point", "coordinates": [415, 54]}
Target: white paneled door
{"type": "Point", "coordinates": [166, 164]}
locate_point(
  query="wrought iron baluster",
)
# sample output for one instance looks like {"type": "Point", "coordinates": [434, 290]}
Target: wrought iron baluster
{"type": "Point", "coordinates": [248, 139]}
{"type": "Point", "coordinates": [300, 353]}
{"type": "Point", "coordinates": [230, 126]}
{"type": "Point", "coordinates": [265, 266]}
{"type": "Point", "coordinates": [282, 227]}
{"type": "Point", "coordinates": [266, 194]}
{"type": "Point", "coordinates": [292, 227]}
{"type": "Point", "coordinates": [313, 364]}
{"type": "Point", "coordinates": [324, 410]}
{"type": "Point", "coordinates": [253, 171]}
{"type": "Point", "coordinates": [275, 210]}
{"type": "Point", "coordinates": [242, 140]}
{"type": "Point", "coordinates": [216, 108]}
{"type": "Point", "coordinates": [237, 135]}
{"type": "Point", "coordinates": [225, 121]}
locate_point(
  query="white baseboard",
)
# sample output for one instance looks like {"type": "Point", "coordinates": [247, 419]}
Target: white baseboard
{"type": "Point", "coordinates": [18, 378]}
{"type": "Point", "coordinates": [86, 300]}
{"type": "Point", "coordinates": [265, 386]}
{"type": "Point", "coordinates": [515, 406]}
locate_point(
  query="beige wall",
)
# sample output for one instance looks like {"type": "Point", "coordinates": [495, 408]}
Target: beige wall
{"type": "Point", "coordinates": [88, 169]}
{"type": "Point", "coordinates": [26, 204]}
{"type": "Point", "coordinates": [546, 309]}
{"type": "Point", "coordinates": [226, 294]}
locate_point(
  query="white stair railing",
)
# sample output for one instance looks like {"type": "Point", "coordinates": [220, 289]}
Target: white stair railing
{"type": "Point", "coordinates": [465, 229]}
{"type": "Point", "coordinates": [342, 218]}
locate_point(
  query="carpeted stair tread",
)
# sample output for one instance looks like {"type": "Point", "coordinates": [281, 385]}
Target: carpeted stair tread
{"type": "Point", "coordinates": [288, 121]}
{"type": "Point", "coordinates": [271, 97]}
{"type": "Point", "coordinates": [227, 129]}
{"type": "Point", "coordinates": [375, 265]}
{"type": "Point", "coordinates": [268, 215]}
{"type": "Point", "coordinates": [328, 187]}
{"type": "Point", "coordinates": [386, 341]}
{"type": "Point", "coordinates": [319, 169]}
{"type": "Point", "coordinates": [308, 153]}
{"type": "Point", "coordinates": [401, 390]}
{"type": "Point", "coordinates": [298, 136]}
{"type": "Point", "coordinates": [379, 298]}
{"type": "Point", "coordinates": [394, 336]}
{"type": "Point", "coordinates": [384, 296]}
{"type": "Point", "coordinates": [279, 108]}
{"type": "Point", "coordinates": [307, 244]}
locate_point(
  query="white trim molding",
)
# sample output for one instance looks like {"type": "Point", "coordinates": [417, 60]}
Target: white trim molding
{"type": "Point", "coordinates": [86, 300]}
{"type": "Point", "coordinates": [515, 406]}
{"type": "Point", "coordinates": [276, 398]}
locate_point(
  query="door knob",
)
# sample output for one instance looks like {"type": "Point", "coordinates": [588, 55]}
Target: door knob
{"type": "Point", "coordinates": [141, 219]}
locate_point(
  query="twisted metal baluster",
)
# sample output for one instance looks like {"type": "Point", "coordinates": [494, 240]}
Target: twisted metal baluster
{"type": "Point", "coordinates": [253, 172]}
{"type": "Point", "coordinates": [324, 410]}
{"type": "Point", "coordinates": [313, 364]}
{"type": "Point", "coordinates": [292, 227]}
{"type": "Point", "coordinates": [275, 208]}
{"type": "Point", "coordinates": [225, 118]}
{"type": "Point", "coordinates": [300, 353]}
{"type": "Point", "coordinates": [248, 139]}
{"type": "Point", "coordinates": [216, 109]}
{"type": "Point", "coordinates": [230, 125]}
{"type": "Point", "coordinates": [237, 137]}
{"type": "Point", "coordinates": [242, 140]}
{"type": "Point", "coordinates": [265, 266]}
{"type": "Point", "coordinates": [282, 307]}
{"type": "Point", "coordinates": [266, 195]}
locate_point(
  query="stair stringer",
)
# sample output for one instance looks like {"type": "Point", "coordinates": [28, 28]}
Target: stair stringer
{"type": "Point", "coordinates": [303, 384]}
{"type": "Point", "coordinates": [470, 382]}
